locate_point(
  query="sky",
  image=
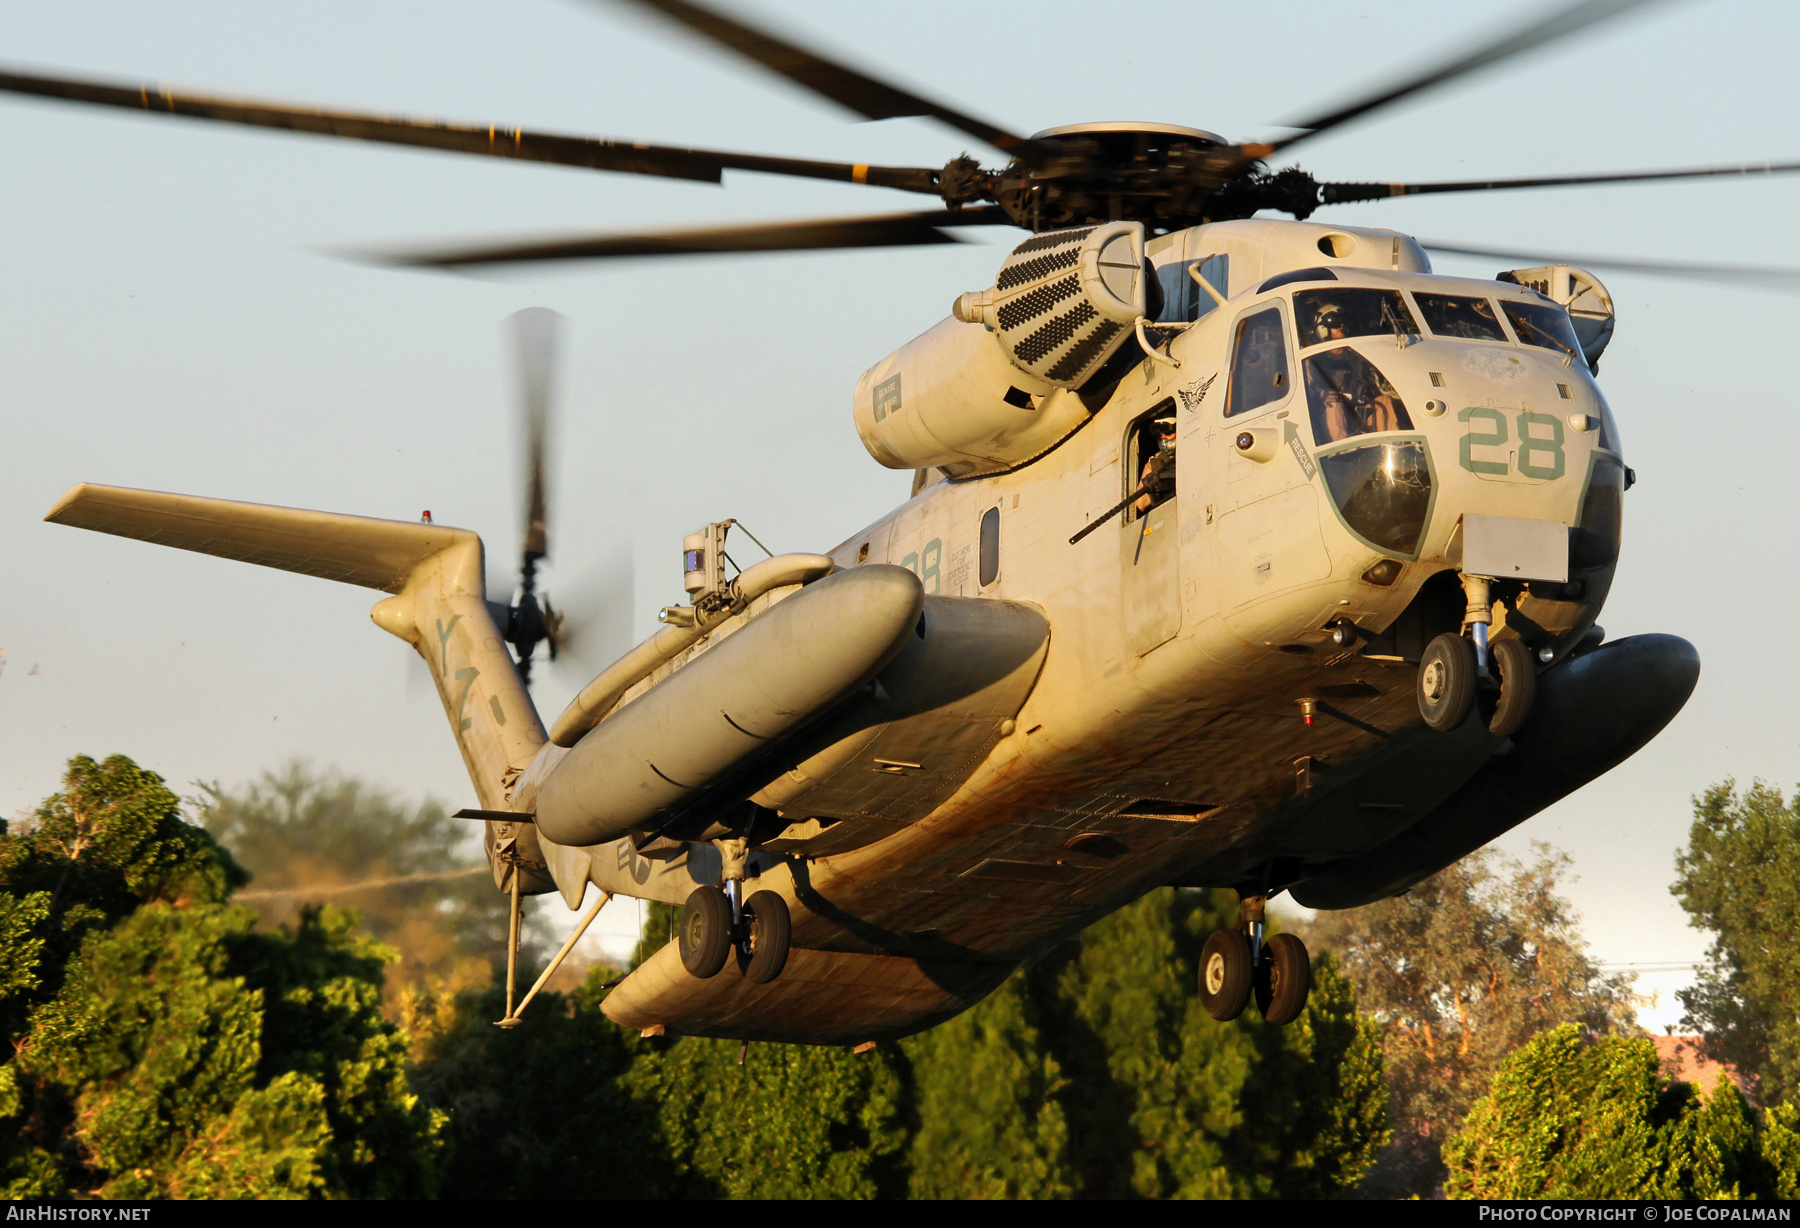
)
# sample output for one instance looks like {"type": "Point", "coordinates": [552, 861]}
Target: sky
{"type": "Point", "coordinates": [171, 317]}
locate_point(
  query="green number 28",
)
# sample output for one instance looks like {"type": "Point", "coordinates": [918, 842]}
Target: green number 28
{"type": "Point", "coordinates": [928, 573]}
{"type": "Point", "coordinates": [1540, 442]}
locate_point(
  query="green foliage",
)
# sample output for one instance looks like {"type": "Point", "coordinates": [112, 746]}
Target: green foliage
{"type": "Point", "coordinates": [165, 1049]}
{"type": "Point", "coordinates": [1739, 878]}
{"type": "Point", "coordinates": [1781, 1149]}
{"type": "Point", "coordinates": [1567, 1118]}
{"type": "Point", "coordinates": [1105, 1044]}
{"type": "Point", "coordinates": [1461, 971]}
{"type": "Point", "coordinates": [416, 875]}
{"type": "Point", "coordinates": [793, 1121]}
{"type": "Point", "coordinates": [540, 1111]}
{"type": "Point", "coordinates": [988, 1096]}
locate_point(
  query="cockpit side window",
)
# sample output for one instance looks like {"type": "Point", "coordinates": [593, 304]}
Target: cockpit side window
{"type": "Point", "coordinates": [1259, 366]}
{"type": "Point", "coordinates": [1543, 325]}
{"type": "Point", "coordinates": [1349, 396]}
{"type": "Point", "coordinates": [1332, 315]}
{"type": "Point", "coordinates": [1452, 315]}
{"type": "Point", "coordinates": [1182, 297]}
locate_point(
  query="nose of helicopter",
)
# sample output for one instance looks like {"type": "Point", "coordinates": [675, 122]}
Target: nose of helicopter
{"type": "Point", "coordinates": [1458, 431]}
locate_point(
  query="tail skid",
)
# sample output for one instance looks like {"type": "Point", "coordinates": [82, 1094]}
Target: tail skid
{"type": "Point", "coordinates": [435, 573]}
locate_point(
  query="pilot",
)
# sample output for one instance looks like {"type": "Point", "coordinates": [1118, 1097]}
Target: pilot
{"type": "Point", "coordinates": [1350, 396]}
{"type": "Point", "coordinates": [1328, 323]}
{"type": "Point", "coordinates": [1158, 475]}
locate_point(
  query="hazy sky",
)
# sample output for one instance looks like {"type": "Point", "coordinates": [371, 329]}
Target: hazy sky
{"type": "Point", "coordinates": [168, 322]}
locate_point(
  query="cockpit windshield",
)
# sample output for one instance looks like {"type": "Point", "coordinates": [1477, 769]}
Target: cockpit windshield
{"type": "Point", "coordinates": [1348, 396]}
{"type": "Point", "coordinates": [1452, 315]}
{"type": "Point", "coordinates": [1339, 313]}
{"type": "Point", "coordinates": [1543, 324]}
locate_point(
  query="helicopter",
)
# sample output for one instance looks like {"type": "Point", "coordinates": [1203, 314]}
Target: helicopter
{"type": "Point", "coordinates": [1338, 635]}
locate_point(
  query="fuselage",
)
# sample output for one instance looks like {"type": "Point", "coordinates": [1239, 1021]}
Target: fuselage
{"type": "Point", "coordinates": [1335, 425]}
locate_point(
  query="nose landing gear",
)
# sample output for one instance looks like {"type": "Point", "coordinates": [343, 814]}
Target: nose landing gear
{"type": "Point", "coordinates": [1236, 965]}
{"type": "Point", "coordinates": [1456, 671]}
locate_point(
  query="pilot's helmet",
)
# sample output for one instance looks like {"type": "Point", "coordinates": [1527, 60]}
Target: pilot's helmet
{"type": "Point", "coordinates": [1327, 317]}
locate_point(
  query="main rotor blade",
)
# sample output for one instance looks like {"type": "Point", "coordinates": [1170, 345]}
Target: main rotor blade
{"type": "Point", "coordinates": [856, 91]}
{"type": "Point", "coordinates": [535, 331]}
{"type": "Point", "coordinates": [1549, 28]}
{"type": "Point", "coordinates": [1341, 193]}
{"type": "Point", "coordinates": [1761, 276]}
{"type": "Point", "coordinates": [884, 230]}
{"type": "Point", "coordinates": [594, 153]}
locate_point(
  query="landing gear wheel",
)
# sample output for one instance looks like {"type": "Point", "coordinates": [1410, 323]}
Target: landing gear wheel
{"type": "Point", "coordinates": [1518, 686]}
{"type": "Point", "coordinates": [766, 928]}
{"type": "Point", "coordinates": [1283, 980]}
{"type": "Point", "coordinates": [704, 932]}
{"type": "Point", "coordinates": [1225, 975]}
{"type": "Point", "coordinates": [1446, 687]}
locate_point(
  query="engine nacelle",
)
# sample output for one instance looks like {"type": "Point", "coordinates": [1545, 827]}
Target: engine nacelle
{"type": "Point", "coordinates": [992, 387]}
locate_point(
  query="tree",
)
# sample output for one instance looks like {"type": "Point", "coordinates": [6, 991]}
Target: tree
{"type": "Point", "coordinates": [988, 1098]}
{"type": "Point", "coordinates": [162, 1047]}
{"type": "Point", "coordinates": [416, 876]}
{"type": "Point", "coordinates": [1462, 970]}
{"type": "Point", "coordinates": [1106, 1034]}
{"type": "Point", "coordinates": [541, 1110]}
{"type": "Point", "coordinates": [1570, 1118]}
{"type": "Point", "coordinates": [1739, 878]}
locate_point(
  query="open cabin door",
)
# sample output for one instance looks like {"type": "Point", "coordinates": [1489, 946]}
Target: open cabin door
{"type": "Point", "coordinates": [1150, 580]}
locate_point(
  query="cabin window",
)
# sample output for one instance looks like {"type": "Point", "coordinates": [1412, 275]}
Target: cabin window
{"type": "Point", "coordinates": [1543, 325]}
{"type": "Point", "coordinates": [1259, 366]}
{"type": "Point", "coordinates": [1348, 396]}
{"type": "Point", "coordinates": [1323, 316]}
{"type": "Point", "coordinates": [1183, 298]}
{"type": "Point", "coordinates": [1453, 315]}
{"type": "Point", "coordinates": [990, 546]}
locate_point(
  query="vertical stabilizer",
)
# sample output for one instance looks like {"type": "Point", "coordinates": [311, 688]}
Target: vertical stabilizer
{"type": "Point", "coordinates": [435, 573]}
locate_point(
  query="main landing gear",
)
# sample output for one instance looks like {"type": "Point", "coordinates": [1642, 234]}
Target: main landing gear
{"type": "Point", "coordinates": [1458, 671]}
{"type": "Point", "coordinates": [715, 923]}
{"type": "Point", "coordinates": [1236, 965]}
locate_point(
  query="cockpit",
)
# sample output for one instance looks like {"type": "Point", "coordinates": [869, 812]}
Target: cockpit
{"type": "Point", "coordinates": [1383, 487]}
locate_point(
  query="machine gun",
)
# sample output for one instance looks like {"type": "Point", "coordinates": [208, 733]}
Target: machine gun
{"type": "Point", "coordinates": [1158, 483]}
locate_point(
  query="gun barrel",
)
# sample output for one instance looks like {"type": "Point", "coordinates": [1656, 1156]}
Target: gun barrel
{"type": "Point", "coordinates": [1110, 512]}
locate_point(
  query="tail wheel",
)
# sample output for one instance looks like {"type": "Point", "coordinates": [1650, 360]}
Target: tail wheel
{"type": "Point", "coordinates": [1284, 980]}
{"type": "Point", "coordinates": [704, 932]}
{"type": "Point", "coordinates": [1446, 687]}
{"type": "Point", "coordinates": [1225, 975]}
{"type": "Point", "coordinates": [766, 929]}
{"type": "Point", "coordinates": [1518, 686]}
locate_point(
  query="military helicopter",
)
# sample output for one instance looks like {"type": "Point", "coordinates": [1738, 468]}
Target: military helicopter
{"type": "Point", "coordinates": [1242, 553]}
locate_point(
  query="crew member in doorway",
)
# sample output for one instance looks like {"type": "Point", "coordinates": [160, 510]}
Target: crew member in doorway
{"type": "Point", "coordinates": [1158, 477]}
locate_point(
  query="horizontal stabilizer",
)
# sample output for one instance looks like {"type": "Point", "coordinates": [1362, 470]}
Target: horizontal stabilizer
{"type": "Point", "coordinates": [351, 549]}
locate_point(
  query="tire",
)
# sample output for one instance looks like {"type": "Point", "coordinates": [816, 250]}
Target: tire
{"type": "Point", "coordinates": [1518, 686]}
{"type": "Point", "coordinates": [1284, 980]}
{"type": "Point", "coordinates": [1225, 975]}
{"type": "Point", "coordinates": [704, 932]}
{"type": "Point", "coordinates": [1446, 685]}
{"type": "Point", "coordinates": [766, 929]}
